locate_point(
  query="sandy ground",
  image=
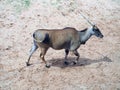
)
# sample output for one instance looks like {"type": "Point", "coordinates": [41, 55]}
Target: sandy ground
{"type": "Point", "coordinates": [100, 58]}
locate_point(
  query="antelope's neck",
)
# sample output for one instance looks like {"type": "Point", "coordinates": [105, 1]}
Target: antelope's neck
{"type": "Point", "coordinates": [85, 35]}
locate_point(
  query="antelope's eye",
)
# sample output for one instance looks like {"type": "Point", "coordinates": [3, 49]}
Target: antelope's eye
{"type": "Point", "coordinates": [93, 29]}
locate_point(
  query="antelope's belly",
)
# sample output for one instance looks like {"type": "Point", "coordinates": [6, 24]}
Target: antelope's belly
{"type": "Point", "coordinates": [58, 46]}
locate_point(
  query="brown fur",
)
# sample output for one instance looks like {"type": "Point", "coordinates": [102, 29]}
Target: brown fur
{"type": "Point", "coordinates": [58, 38]}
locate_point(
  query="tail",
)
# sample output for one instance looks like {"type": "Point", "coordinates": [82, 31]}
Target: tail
{"type": "Point", "coordinates": [33, 35]}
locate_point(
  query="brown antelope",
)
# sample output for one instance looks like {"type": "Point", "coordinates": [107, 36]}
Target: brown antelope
{"type": "Point", "coordinates": [68, 38]}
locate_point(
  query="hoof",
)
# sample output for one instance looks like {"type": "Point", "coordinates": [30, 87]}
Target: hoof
{"type": "Point", "coordinates": [47, 66]}
{"type": "Point", "coordinates": [81, 64]}
{"type": "Point", "coordinates": [74, 63]}
{"type": "Point", "coordinates": [27, 64]}
{"type": "Point", "coordinates": [66, 63]}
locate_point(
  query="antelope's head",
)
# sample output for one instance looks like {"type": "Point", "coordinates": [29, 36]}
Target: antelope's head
{"type": "Point", "coordinates": [95, 31]}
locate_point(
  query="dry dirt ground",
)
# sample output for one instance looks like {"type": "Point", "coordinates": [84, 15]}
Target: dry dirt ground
{"type": "Point", "coordinates": [100, 58]}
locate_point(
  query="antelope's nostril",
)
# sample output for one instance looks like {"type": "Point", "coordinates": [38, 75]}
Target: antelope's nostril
{"type": "Point", "coordinates": [101, 36]}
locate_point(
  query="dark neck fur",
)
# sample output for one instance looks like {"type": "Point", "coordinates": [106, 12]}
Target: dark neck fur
{"type": "Point", "coordinates": [84, 30]}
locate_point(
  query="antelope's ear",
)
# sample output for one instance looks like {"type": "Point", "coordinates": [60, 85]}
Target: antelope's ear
{"type": "Point", "coordinates": [94, 25]}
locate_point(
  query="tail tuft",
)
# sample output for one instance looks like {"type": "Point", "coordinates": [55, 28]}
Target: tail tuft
{"type": "Point", "coordinates": [33, 35]}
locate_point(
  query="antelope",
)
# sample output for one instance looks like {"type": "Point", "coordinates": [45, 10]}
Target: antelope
{"type": "Point", "coordinates": [67, 38]}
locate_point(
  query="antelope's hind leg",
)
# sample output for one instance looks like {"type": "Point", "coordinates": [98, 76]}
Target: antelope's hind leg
{"type": "Point", "coordinates": [42, 56]}
{"type": "Point", "coordinates": [33, 49]}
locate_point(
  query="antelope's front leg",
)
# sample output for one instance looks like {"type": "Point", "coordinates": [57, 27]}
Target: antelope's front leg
{"type": "Point", "coordinates": [66, 54]}
{"type": "Point", "coordinates": [78, 56]}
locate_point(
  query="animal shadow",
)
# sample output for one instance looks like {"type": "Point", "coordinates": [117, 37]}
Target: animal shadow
{"type": "Point", "coordinates": [82, 62]}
